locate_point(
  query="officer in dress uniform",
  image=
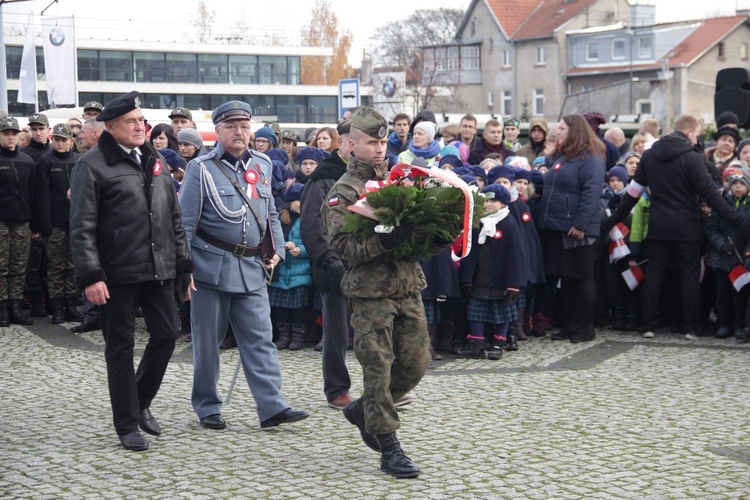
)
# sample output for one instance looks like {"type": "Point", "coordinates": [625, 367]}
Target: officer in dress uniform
{"type": "Point", "coordinates": [227, 207]}
{"type": "Point", "coordinates": [129, 248]}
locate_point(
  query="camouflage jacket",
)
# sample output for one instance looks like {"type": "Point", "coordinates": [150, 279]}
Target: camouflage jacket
{"type": "Point", "coordinates": [372, 273]}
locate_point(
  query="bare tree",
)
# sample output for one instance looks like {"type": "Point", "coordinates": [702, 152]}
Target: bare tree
{"type": "Point", "coordinates": [322, 30]}
{"type": "Point", "coordinates": [203, 22]}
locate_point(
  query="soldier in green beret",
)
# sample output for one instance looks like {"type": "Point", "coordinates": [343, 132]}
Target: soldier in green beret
{"type": "Point", "coordinates": [390, 330]}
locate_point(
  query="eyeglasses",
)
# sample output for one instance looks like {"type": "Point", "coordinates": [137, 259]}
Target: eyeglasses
{"type": "Point", "coordinates": [231, 127]}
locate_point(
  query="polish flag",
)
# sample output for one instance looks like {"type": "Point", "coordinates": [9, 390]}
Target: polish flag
{"type": "Point", "coordinates": [619, 232]}
{"type": "Point", "coordinates": [739, 277]}
{"type": "Point", "coordinates": [617, 250]}
{"type": "Point", "coordinates": [633, 277]}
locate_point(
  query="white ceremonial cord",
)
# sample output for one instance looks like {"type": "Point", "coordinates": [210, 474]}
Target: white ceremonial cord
{"type": "Point", "coordinates": [215, 199]}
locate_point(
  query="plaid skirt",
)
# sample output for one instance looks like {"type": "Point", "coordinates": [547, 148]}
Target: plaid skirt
{"type": "Point", "coordinates": [432, 311]}
{"type": "Point", "coordinates": [317, 299]}
{"type": "Point", "coordinates": [294, 298]}
{"type": "Point", "coordinates": [496, 312]}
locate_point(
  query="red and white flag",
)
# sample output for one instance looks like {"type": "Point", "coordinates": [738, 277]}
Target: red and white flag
{"type": "Point", "coordinates": [633, 277]}
{"type": "Point", "coordinates": [619, 232]}
{"type": "Point", "coordinates": [617, 250]}
{"type": "Point", "coordinates": [739, 277]}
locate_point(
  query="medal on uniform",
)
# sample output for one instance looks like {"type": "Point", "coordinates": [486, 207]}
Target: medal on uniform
{"type": "Point", "coordinates": [157, 167]}
{"type": "Point", "coordinates": [260, 173]}
{"type": "Point", "coordinates": [251, 177]}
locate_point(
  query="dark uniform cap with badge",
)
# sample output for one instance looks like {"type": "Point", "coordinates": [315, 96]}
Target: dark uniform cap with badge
{"type": "Point", "coordinates": [9, 123]}
{"type": "Point", "coordinates": [120, 105]}
{"type": "Point", "coordinates": [183, 112]}
{"type": "Point", "coordinates": [232, 110]}
{"type": "Point", "coordinates": [370, 122]}
{"type": "Point", "coordinates": [39, 118]}
{"type": "Point", "coordinates": [93, 106]}
{"type": "Point", "coordinates": [62, 130]}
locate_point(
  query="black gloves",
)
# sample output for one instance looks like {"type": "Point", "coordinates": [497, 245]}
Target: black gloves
{"type": "Point", "coordinates": [336, 270]}
{"type": "Point", "coordinates": [398, 235]}
{"type": "Point", "coordinates": [181, 286]}
{"type": "Point", "coordinates": [727, 248]}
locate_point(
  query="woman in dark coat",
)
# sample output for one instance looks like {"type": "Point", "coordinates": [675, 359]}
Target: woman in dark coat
{"type": "Point", "coordinates": [570, 222]}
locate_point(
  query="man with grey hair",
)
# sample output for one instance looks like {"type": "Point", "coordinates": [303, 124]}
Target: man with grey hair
{"type": "Point", "coordinates": [616, 136]}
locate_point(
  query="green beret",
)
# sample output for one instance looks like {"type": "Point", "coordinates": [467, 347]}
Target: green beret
{"type": "Point", "coordinates": [370, 122]}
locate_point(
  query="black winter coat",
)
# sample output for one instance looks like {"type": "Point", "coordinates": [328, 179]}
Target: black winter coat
{"type": "Point", "coordinates": [51, 183]}
{"type": "Point", "coordinates": [125, 222]}
{"type": "Point", "coordinates": [441, 275]}
{"type": "Point", "coordinates": [532, 246]}
{"type": "Point", "coordinates": [36, 150]}
{"type": "Point", "coordinates": [16, 185]}
{"type": "Point", "coordinates": [718, 232]}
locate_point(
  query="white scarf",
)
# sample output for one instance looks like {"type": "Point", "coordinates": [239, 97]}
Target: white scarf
{"type": "Point", "coordinates": [489, 223]}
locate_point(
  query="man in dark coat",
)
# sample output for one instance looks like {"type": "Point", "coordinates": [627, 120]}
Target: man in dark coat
{"type": "Point", "coordinates": [129, 248]}
{"type": "Point", "coordinates": [675, 173]}
{"type": "Point", "coordinates": [328, 270]}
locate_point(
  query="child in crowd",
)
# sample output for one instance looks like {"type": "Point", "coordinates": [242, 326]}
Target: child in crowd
{"type": "Point", "coordinates": [630, 161]}
{"type": "Point", "coordinates": [290, 293]}
{"type": "Point", "coordinates": [493, 272]}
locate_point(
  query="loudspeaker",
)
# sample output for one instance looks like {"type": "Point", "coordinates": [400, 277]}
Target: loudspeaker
{"type": "Point", "coordinates": [733, 94]}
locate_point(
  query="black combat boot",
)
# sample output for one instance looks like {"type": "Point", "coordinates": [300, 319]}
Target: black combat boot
{"type": "Point", "coordinates": [298, 337]}
{"type": "Point", "coordinates": [586, 334]}
{"type": "Point", "coordinates": [474, 349]}
{"type": "Point", "coordinates": [4, 320]}
{"type": "Point", "coordinates": [517, 327]}
{"type": "Point", "coordinates": [393, 460]}
{"type": "Point", "coordinates": [512, 343]}
{"type": "Point", "coordinates": [496, 349]}
{"type": "Point", "coordinates": [58, 310]}
{"type": "Point", "coordinates": [71, 313]}
{"type": "Point", "coordinates": [15, 315]}
{"type": "Point", "coordinates": [37, 308]}
{"type": "Point", "coordinates": [284, 336]}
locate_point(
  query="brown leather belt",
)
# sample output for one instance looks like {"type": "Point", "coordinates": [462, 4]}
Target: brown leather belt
{"type": "Point", "coordinates": [237, 249]}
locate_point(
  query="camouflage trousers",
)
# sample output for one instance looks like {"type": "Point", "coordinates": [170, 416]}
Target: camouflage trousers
{"type": "Point", "coordinates": [15, 242]}
{"type": "Point", "coordinates": [391, 343]}
{"type": "Point", "coordinates": [60, 270]}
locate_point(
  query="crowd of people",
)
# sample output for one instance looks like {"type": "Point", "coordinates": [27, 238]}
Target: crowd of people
{"type": "Point", "coordinates": [243, 245]}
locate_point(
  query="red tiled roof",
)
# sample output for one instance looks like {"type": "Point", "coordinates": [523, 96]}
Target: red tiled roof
{"type": "Point", "coordinates": [703, 38]}
{"type": "Point", "coordinates": [534, 18]}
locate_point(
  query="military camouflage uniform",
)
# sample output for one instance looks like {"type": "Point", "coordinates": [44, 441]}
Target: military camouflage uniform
{"type": "Point", "coordinates": [391, 339]}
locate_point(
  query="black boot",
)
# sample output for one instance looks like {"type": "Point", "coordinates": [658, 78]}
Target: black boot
{"type": "Point", "coordinates": [433, 344]}
{"type": "Point", "coordinates": [512, 343]}
{"type": "Point", "coordinates": [298, 337]}
{"type": "Point", "coordinates": [37, 308]}
{"type": "Point", "coordinates": [186, 330]}
{"type": "Point", "coordinates": [393, 459]}
{"type": "Point", "coordinates": [496, 349]}
{"type": "Point", "coordinates": [618, 319]}
{"type": "Point", "coordinates": [58, 311]}
{"type": "Point", "coordinates": [517, 327]}
{"type": "Point", "coordinates": [4, 320]}
{"type": "Point", "coordinates": [474, 349]}
{"type": "Point", "coordinates": [586, 334]}
{"type": "Point", "coordinates": [284, 336]}
{"type": "Point", "coordinates": [15, 315]}
{"type": "Point", "coordinates": [71, 313]}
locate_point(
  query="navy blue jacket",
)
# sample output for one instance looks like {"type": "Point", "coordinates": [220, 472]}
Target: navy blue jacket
{"type": "Point", "coordinates": [498, 264]}
{"type": "Point", "coordinates": [533, 248]}
{"type": "Point", "coordinates": [570, 197]}
{"type": "Point", "coordinates": [442, 276]}
{"type": "Point", "coordinates": [719, 231]}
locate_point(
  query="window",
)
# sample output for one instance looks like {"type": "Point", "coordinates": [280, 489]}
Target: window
{"type": "Point", "coordinates": [538, 101]}
{"type": "Point", "coordinates": [743, 51]}
{"type": "Point", "coordinates": [428, 63]}
{"type": "Point", "coordinates": [182, 68]}
{"type": "Point", "coordinates": [720, 47]}
{"type": "Point", "coordinates": [644, 47]}
{"type": "Point", "coordinates": [440, 58]}
{"type": "Point", "coordinates": [592, 51]}
{"type": "Point", "coordinates": [212, 68]}
{"type": "Point", "coordinates": [507, 108]}
{"type": "Point", "coordinates": [541, 56]}
{"type": "Point", "coordinates": [618, 48]}
{"type": "Point", "coordinates": [470, 58]}
{"type": "Point", "coordinates": [116, 66]}
{"type": "Point", "coordinates": [506, 58]}
{"type": "Point", "coordinates": [321, 109]}
{"type": "Point", "coordinates": [293, 72]}
{"type": "Point", "coordinates": [272, 70]}
{"type": "Point", "coordinates": [13, 62]}
{"type": "Point", "coordinates": [451, 61]}
{"type": "Point", "coordinates": [150, 67]}
{"type": "Point", "coordinates": [644, 107]}
{"type": "Point", "coordinates": [243, 69]}
{"type": "Point", "coordinates": [88, 66]}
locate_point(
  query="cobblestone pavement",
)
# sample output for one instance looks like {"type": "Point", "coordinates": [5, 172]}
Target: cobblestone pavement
{"type": "Point", "coordinates": [616, 418]}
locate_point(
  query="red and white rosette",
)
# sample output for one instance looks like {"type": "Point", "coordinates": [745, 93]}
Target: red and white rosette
{"type": "Point", "coordinates": [251, 177]}
{"type": "Point", "coordinates": [157, 167]}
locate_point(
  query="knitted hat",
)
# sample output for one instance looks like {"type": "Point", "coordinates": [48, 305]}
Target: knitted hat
{"type": "Point", "coordinates": [449, 150]}
{"type": "Point", "coordinates": [727, 118]}
{"type": "Point", "coordinates": [742, 144]}
{"type": "Point", "coordinates": [310, 153]}
{"type": "Point", "coordinates": [293, 192]}
{"type": "Point", "coordinates": [742, 175]}
{"type": "Point", "coordinates": [451, 160]}
{"type": "Point", "coordinates": [727, 131]}
{"type": "Point", "coordinates": [501, 194]}
{"type": "Point", "coordinates": [189, 136]}
{"type": "Point", "coordinates": [463, 150]}
{"type": "Point", "coordinates": [624, 158]}
{"type": "Point", "coordinates": [595, 120]}
{"type": "Point", "coordinates": [279, 155]}
{"type": "Point", "coordinates": [620, 172]}
{"type": "Point", "coordinates": [539, 161]}
{"type": "Point", "coordinates": [428, 128]}
{"type": "Point", "coordinates": [500, 171]}
{"type": "Point", "coordinates": [269, 134]}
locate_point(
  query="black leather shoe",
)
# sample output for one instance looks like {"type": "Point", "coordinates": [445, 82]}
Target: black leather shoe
{"type": "Point", "coordinates": [86, 326]}
{"type": "Point", "coordinates": [148, 423]}
{"type": "Point", "coordinates": [284, 417]}
{"type": "Point", "coordinates": [213, 422]}
{"type": "Point", "coordinates": [134, 441]}
{"type": "Point", "coordinates": [393, 460]}
{"type": "Point", "coordinates": [355, 414]}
